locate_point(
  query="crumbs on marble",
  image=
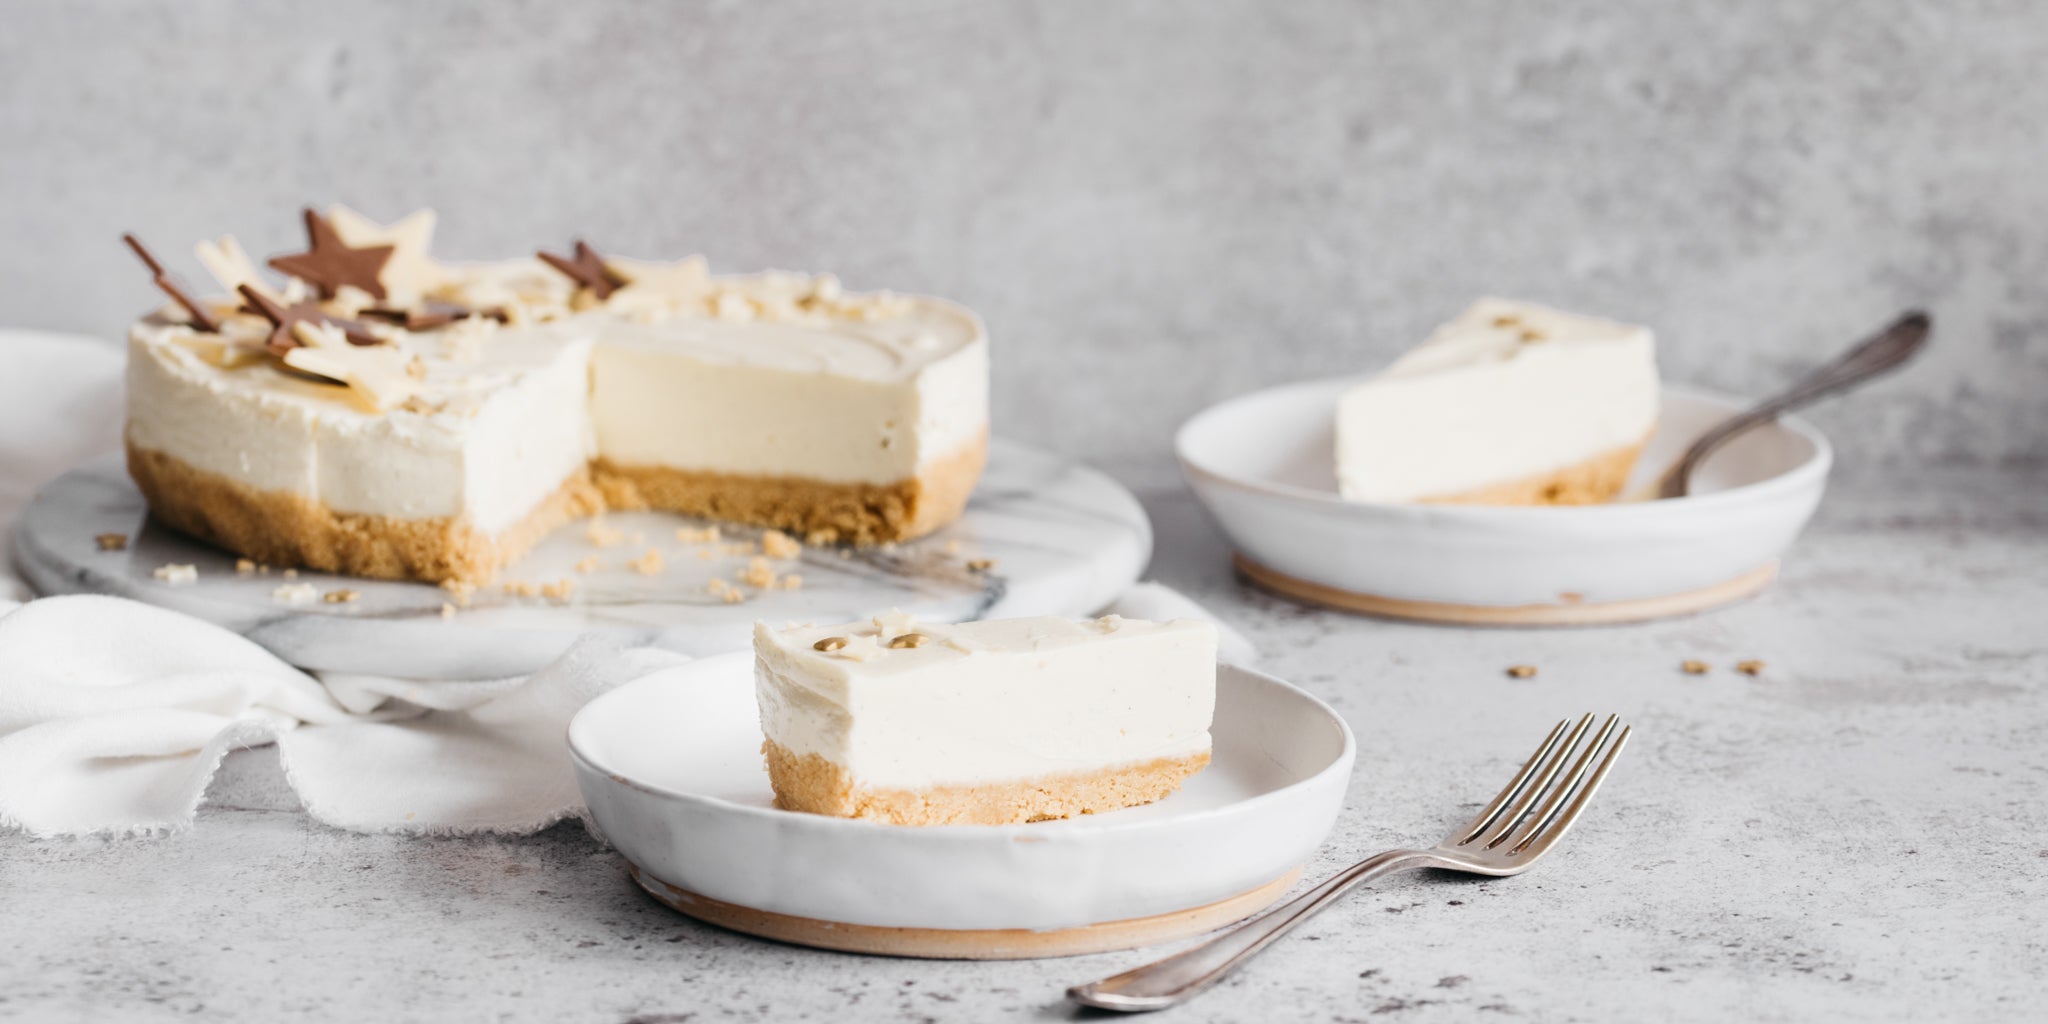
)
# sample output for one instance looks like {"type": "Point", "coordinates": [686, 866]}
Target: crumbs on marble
{"type": "Point", "coordinates": [1750, 667]}
{"type": "Point", "coordinates": [649, 564]}
{"type": "Point", "coordinates": [588, 565]}
{"type": "Point", "coordinates": [707, 535]}
{"type": "Point", "coordinates": [1521, 671]}
{"type": "Point", "coordinates": [245, 567]}
{"type": "Point", "coordinates": [604, 536]}
{"type": "Point", "coordinates": [522, 588]}
{"type": "Point", "coordinates": [461, 589]}
{"type": "Point", "coordinates": [342, 595]}
{"type": "Point", "coordinates": [447, 610]}
{"type": "Point", "coordinates": [177, 574]}
{"type": "Point", "coordinates": [980, 564]}
{"type": "Point", "coordinates": [777, 544]}
{"type": "Point", "coordinates": [559, 590]}
{"type": "Point", "coordinates": [295, 594]}
{"type": "Point", "coordinates": [112, 541]}
{"type": "Point", "coordinates": [1694, 667]}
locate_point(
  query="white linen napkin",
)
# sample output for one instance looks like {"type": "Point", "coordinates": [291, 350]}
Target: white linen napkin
{"type": "Point", "coordinates": [115, 714]}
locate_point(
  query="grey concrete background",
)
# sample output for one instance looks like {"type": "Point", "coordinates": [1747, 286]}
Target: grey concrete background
{"type": "Point", "coordinates": [1155, 204]}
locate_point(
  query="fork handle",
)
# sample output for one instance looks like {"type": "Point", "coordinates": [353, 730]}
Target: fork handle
{"type": "Point", "coordinates": [1163, 983]}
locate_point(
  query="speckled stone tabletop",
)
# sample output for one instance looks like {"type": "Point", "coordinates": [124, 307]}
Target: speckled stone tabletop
{"type": "Point", "coordinates": [1854, 833]}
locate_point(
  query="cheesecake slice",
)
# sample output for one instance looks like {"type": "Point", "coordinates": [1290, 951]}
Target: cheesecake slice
{"type": "Point", "coordinates": [983, 723]}
{"type": "Point", "coordinates": [1509, 404]}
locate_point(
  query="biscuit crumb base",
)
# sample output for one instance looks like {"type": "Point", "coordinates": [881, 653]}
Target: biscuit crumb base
{"type": "Point", "coordinates": [812, 784]}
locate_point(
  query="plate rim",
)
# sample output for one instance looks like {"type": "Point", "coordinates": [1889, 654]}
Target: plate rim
{"type": "Point", "coordinates": [1082, 828]}
{"type": "Point", "coordinates": [1805, 474]}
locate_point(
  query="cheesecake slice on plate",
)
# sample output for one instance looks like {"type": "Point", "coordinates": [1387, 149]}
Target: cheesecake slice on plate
{"type": "Point", "coordinates": [983, 723]}
{"type": "Point", "coordinates": [1508, 404]}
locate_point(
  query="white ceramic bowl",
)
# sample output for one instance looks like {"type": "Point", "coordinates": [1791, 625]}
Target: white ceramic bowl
{"type": "Point", "coordinates": [1263, 464]}
{"type": "Point", "coordinates": [671, 769]}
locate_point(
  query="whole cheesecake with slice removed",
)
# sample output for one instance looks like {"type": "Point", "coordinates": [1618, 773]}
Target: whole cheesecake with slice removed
{"type": "Point", "coordinates": [374, 412]}
{"type": "Point", "coordinates": [983, 723]}
{"type": "Point", "coordinates": [1508, 404]}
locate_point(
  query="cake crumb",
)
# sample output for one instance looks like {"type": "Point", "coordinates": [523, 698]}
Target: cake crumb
{"type": "Point", "coordinates": [462, 589]}
{"type": "Point", "coordinates": [244, 567]}
{"type": "Point", "coordinates": [707, 535]}
{"type": "Point", "coordinates": [295, 593]}
{"type": "Point", "coordinates": [1521, 671]}
{"type": "Point", "coordinates": [1694, 667]}
{"type": "Point", "coordinates": [792, 582]}
{"type": "Point", "coordinates": [648, 564]}
{"type": "Point", "coordinates": [522, 588]}
{"type": "Point", "coordinates": [559, 590]}
{"type": "Point", "coordinates": [759, 574]}
{"type": "Point", "coordinates": [112, 541]}
{"type": "Point", "coordinates": [704, 554]}
{"type": "Point", "coordinates": [177, 574]}
{"type": "Point", "coordinates": [447, 610]}
{"type": "Point", "coordinates": [980, 564]}
{"type": "Point", "coordinates": [1750, 667]}
{"type": "Point", "coordinates": [733, 596]}
{"type": "Point", "coordinates": [604, 536]}
{"type": "Point", "coordinates": [341, 596]}
{"type": "Point", "coordinates": [717, 586]}
{"type": "Point", "coordinates": [587, 565]}
{"type": "Point", "coordinates": [291, 574]}
{"type": "Point", "coordinates": [777, 544]}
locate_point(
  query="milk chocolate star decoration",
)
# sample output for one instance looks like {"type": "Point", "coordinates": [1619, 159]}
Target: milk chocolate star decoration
{"type": "Point", "coordinates": [283, 318]}
{"type": "Point", "coordinates": [587, 269]}
{"type": "Point", "coordinates": [328, 264]}
{"type": "Point", "coordinates": [200, 317]}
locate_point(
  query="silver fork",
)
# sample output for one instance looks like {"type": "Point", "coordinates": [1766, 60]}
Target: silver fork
{"type": "Point", "coordinates": [1521, 824]}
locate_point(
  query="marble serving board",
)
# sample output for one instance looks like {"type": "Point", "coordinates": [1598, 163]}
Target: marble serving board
{"type": "Point", "coordinates": [1060, 539]}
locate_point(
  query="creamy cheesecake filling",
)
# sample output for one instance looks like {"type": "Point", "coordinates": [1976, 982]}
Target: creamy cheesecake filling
{"type": "Point", "coordinates": [499, 418]}
{"type": "Point", "coordinates": [1506, 392]}
{"type": "Point", "coordinates": [987, 702]}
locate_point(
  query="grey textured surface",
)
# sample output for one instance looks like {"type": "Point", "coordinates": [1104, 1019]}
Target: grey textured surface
{"type": "Point", "coordinates": [1154, 204]}
{"type": "Point", "coordinates": [1853, 834]}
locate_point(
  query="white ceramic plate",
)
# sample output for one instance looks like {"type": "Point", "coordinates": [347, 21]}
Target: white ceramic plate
{"type": "Point", "coordinates": [1263, 464]}
{"type": "Point", "coordinates": [671, 769]}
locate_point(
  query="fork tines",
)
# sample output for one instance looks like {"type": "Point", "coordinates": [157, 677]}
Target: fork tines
{"type": "Point", "coordinates": [1537, 807]}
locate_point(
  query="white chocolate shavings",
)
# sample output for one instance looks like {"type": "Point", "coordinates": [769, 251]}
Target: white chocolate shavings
{"type": "Point", "coordinates": [375, 374]}
{"type": "Point", "coordinates": [176, 574]}
{"type": "Point", "coordinates": [894, 622]}
{"type": "Point", "coordinates": [295, 593]}
{"type": "Point", "coordinates": [230, 265]}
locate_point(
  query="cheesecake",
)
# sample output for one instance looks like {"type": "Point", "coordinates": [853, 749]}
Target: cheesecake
{"type": "Point", "coordinates": [983, 723]}
{"type": "Point", "coordinates": [1508, 404]}
{"type": "Point", "coordinates": [374, 412]}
